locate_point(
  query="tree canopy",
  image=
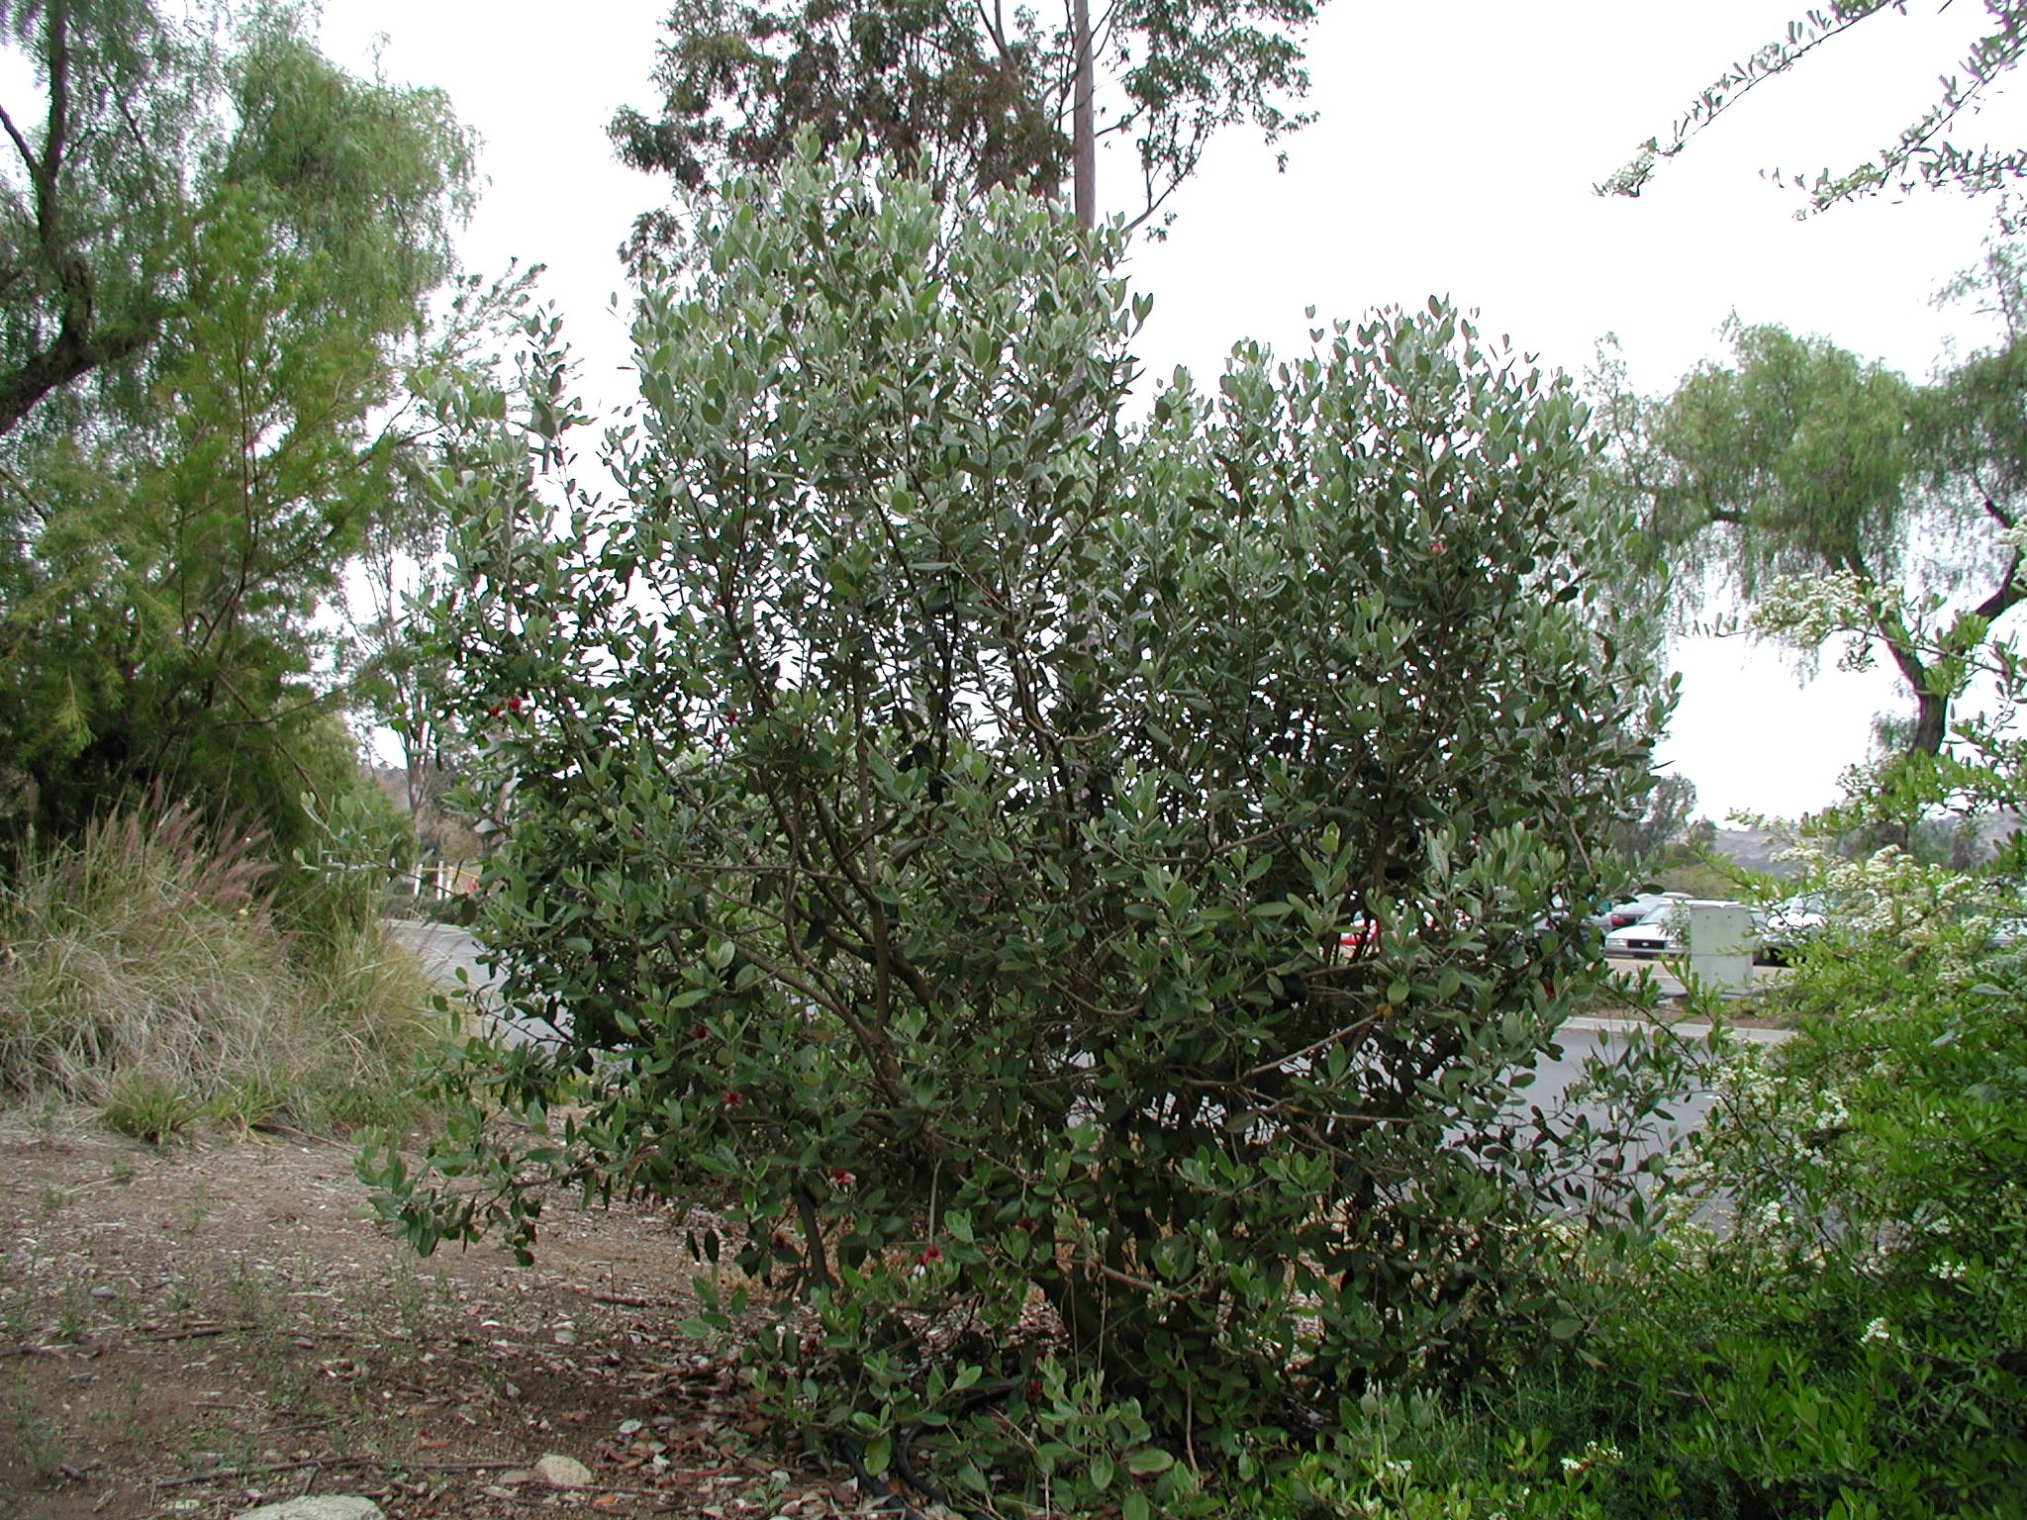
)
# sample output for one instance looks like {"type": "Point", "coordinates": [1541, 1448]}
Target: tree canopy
{"type": "Point", "coordinates": [1922, 152]}
{"type": "Point", "coordinates": [182, 503]}
{"type": "Point", "coordinates": [1798, 460]}
{"type": "Point", "coordinates": [139, 125]}
{"type": "Point", "coordinates": [982, 94]}
{"type": "Point", "coordinates": [97, 188]}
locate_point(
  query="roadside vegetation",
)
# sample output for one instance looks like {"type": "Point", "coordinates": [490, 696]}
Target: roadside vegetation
{"type": "Point", "coordinates": [926, 791]}
{"type": "Point", "coordinates": [219, 390]}
{"type": "Point", "coordinates": [149, 973]}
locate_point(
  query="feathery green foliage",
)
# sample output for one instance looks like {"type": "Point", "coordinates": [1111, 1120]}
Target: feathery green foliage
{"type": "Point", "coordinates": [1797, 459]}
{"type": "Point", "coordinates": [177, 529]}
{"type": "Point", "coordinates": [1922, 153]}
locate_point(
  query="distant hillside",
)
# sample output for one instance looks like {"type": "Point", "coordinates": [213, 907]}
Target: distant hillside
{"type": "Point", "coordinates": [1755, 849]}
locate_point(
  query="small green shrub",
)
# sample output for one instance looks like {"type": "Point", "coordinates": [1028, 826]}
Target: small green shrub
{"type": "Point", "coordinates": [1835, 1326]}
{"type": "Point", "coordinates": [246, 1105]}
{"type": "Point", "coordinates": [149, 1106]}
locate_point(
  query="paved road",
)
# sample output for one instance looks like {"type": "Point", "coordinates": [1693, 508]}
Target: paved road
{"type": "Point", "coordinates": [444, 950]}
{"type": "Point", "coordinates": [1671, 985]}
{"type": "Point", "coordinates": [1583, 1037]}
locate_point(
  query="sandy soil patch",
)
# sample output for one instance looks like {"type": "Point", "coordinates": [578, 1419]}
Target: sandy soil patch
{"type": "Point", "coordinates": [193, 1331]}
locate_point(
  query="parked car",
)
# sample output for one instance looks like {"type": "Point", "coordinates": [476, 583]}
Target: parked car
{"type": "Point", "coordinates": [1630, 910]}
{"type": "Point", "coordinates": [1658, 933]}
{"type": "Point", "coordinates": [1789, 923]}
{"type": "Point", "coordinates": [1360, 940]}
{"type": "Point", "coordinates": [1361, 937]}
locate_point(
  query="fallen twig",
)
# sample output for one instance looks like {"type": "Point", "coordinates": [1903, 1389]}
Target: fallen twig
{"type": "Point", "coordinates": [631, 1301]}
{"type": "Point", "coordinates": [391, 1464]}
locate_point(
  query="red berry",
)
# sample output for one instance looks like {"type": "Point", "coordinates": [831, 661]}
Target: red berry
{"type": "Point", "coordinates": [493, 711]}
{"type": "Point", "coordinates": [698, 1031]}
{"type": "Point", "coordinates": [732, 1100]}
{"type": "Point", "coordinates": [513, 704]}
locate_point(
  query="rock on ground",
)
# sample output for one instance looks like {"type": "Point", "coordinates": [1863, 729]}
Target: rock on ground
{"type": "Point", "coordinates": [562, 1472]}
{"type": "Point", "coordinates": [327, 1507]}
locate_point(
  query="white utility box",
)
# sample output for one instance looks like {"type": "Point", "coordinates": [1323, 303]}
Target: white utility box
{"type": "Point", "coordinates": [1721, 943]}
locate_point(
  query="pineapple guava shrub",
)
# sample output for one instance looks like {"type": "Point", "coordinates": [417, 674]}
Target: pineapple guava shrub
{"type": "Point", "coordinates": [936, 807]}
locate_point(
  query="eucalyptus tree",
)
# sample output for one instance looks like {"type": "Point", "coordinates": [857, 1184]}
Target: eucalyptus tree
{"type": "Point", "coordinates": [981, 93]}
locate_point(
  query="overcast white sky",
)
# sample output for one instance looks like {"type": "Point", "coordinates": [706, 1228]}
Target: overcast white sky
{"type": "Point", "coordinates": [1454, 153]}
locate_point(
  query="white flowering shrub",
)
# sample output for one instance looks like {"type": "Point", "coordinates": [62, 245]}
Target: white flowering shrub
{"type": "Point", "coordinates": [1808, 611]}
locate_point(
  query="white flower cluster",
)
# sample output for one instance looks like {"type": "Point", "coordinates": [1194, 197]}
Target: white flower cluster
{"type": "Point", "coordinates": [1831, 1112]}
{"type": "Point", "coordinates": [1595, 1454]}
{"type": "Point", "coordinates": [1890, 892]}
{"type": "Point", "coordinates": [1877, 1333]}
{"type": "Point", "coordinates": [1806, 611]}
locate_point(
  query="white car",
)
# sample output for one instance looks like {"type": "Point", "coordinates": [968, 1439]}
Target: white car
{"type": "Point", "coordinates": [1659, 933]}
{"type": "Point", "coordinates": [1786, 925]}
{"type": "Point", "coordinates": [1630, 910]}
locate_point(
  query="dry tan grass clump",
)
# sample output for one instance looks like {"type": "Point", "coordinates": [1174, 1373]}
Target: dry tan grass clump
{"type": "Point", "coordinates": [142, 968]}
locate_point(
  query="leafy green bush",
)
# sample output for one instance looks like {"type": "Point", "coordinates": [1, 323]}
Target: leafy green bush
{"type": "Point", "coordinates": [1835, 1328]}
{"type": "Point", "coordinates": [146, 970]}
{"type": "Point", "coordinates": [935, 808]}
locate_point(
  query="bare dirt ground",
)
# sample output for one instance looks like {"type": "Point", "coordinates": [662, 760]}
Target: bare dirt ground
{"type": "Point", "coordinates": [197, 1330]}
